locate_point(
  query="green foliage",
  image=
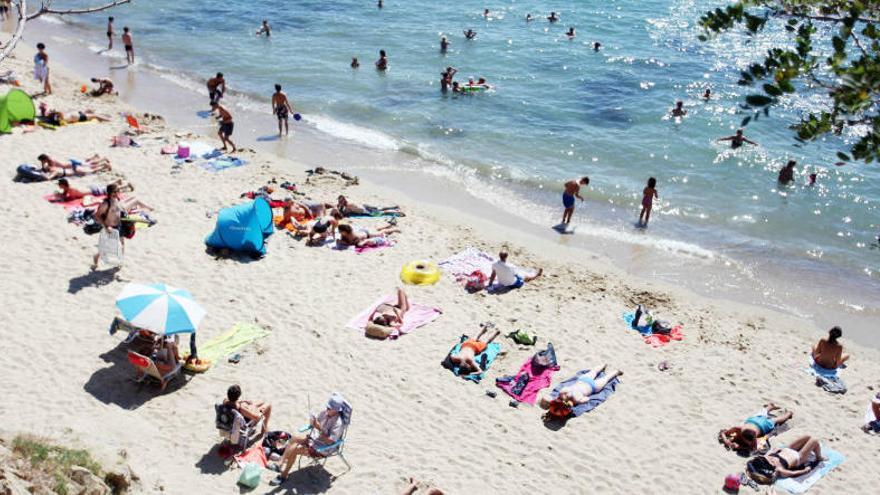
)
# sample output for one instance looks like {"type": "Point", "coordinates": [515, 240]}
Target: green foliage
{"type": "Point", "coordinates": [54, 460]}
{"type": "Point", "coordinates": [847, 70]}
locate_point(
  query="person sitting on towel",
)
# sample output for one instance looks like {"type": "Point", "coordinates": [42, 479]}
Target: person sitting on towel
{"type": "Point", "coordinates": [578, 392]}
{"type": "Point", "coordinates": [744, 438]}
{"type": "Point", "coordinates": [252, 411]}
{"type": "Point", "coordinates": [828, 353]}
{"type": "Point", "coordinates": [326, 429]}
{"type": "Point", "coordinates": [797, 459]}
{"type": "Point", "coordinates": [470, 348]}
{"type": "Point", "coordinates": [506, 277]}
{"type": "Point", "coordinates": [323, 227]}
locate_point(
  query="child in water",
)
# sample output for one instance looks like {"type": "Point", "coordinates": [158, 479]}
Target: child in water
{"type": "Point", "coordinates": [648, 196]}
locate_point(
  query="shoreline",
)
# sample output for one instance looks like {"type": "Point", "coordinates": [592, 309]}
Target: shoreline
{"type": "Point", "coordinates": [827, 301]}
{"type": "Point", "coordinates": [410, 413]}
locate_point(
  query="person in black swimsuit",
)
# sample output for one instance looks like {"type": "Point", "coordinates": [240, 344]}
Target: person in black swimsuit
{"type": "Point", "coordinates": [799, 458]}
{"type": "Point", "coordinates": [110, 32]}
{"type": "Point", "coordinates": [282, 109]}
{"type": "Point", "coordinates": [738, 139]}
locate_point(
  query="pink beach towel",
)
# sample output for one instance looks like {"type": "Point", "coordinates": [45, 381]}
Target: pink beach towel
{"type": "Point", "coordinates": [367, 249]}
{"type": "Point", "coordinates": [417, 316]}
{"type": "Point", "coordinates": [658, 339]}
{"type": "Point", "coordinates": [540, 377]}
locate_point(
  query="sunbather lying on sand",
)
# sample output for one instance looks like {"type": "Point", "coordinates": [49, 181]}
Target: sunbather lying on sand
{"type": "Point", "coordinates": [348, 208]}
{"type": "Point", "coordinates": [799, 458]}
{"type": "Point", "coordinates": [92, 165]}
{"type": "Point", "coordinates": [56, 117]}
{"type": "Point", "coordinates": [828, 352]}
{"type": "Point", "coordinates": [362, 237]}
{"type": "Point", "coordinates": [388, 315]}
{"type": "Point", "coordinates": [69, 193]}
{"type": "Point", "coordinates": [252, 411]}
{"type": "Point", "coordinates": [466, 357]}
{"type": "Point", "coordinates": [580, 391]}
{"type": "Point", "coordinates": [413, 486]}
{"type": "Point", "coordinates": [744, 438]}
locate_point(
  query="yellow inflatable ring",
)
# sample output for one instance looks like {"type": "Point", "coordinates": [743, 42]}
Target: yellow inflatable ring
{"type": "Point", "coordinates": [420, 273]}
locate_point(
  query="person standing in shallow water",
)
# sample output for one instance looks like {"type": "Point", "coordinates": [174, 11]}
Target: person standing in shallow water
{"type": "Point", "coordinates": [382, 63]}
{"type": "Point", "coordinates": [786, 175]}
{"type": "Point", "coordinates": [572, 191]}
{"type": "Point", "coordinates": [648, 195]}
{"type": "Point", "coordinates": [110, 33]}
{"type": "Point", "coordinates": [129, 45]}
{"type": "Point", "coordinates": [282, 109]}
{"type": "Point", "coordinates": [738, 139]}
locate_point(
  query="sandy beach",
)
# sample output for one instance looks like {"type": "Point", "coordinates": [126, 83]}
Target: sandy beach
{"type": "Point", "coordinates": [67, 379]}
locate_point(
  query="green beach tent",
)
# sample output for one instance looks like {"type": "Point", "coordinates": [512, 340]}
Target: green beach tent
{"type": "Point", "coordinates": [15, 106]}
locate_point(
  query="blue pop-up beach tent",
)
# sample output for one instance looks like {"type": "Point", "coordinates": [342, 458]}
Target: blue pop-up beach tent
{"type": "Point", "coordinates": [243, 228]}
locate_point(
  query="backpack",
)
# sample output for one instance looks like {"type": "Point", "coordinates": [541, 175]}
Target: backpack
{"type": "Point", "coordinates": [760, 470]}
{"type": "Point", "coordinates": [661, 326]}
{"type": "Point", "coordinates": [28, 173]}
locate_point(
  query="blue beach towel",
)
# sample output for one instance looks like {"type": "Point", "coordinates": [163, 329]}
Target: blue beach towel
{"type": "Point", "coordinates": [826, 378]}
{"type": "Point", "coordinates": [803, 483]}
{"type": "Point", "coordinates": [488, 355]}
{"type": "Point", "coordinates": [595, 399]}
{"type": "Point", "coordinates": [644, 329]}
{"type": "Point", "coordinates": [220, 164]}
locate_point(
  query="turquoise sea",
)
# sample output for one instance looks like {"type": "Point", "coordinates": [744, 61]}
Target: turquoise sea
{"type": "Point", "coordinates": [559, 109]}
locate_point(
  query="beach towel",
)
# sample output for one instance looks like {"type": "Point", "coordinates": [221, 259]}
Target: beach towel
{"type": "Point", "coordinates": [222, 163]}
{"type": "Point", "coordinates": [230, 341]}
{"type": "Point", "coordinates": [595, 399]}
{"type": "Point", "coordinates": [654, 339]}
{"type": "Point", "coordinates": [531, 378]}
{"type": "Point", "coordinates": [826, 378]}
{"type": "Point", "coordinates": [69, 206]}
{"type": "Point", "coordinates": [470, 260]}
{"type": "Point", "coordinates": [374, 247]}
{"type": "Point", "coordinates": [803, 483]}
{"type": "Point", "coordinates": [484, 358]}
{"type": "Point", "coordinates": [255, 455]}
{"type": "Point", "coordinates": [418, 315]}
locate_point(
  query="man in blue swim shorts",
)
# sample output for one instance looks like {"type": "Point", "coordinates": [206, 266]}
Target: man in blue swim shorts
{"type": "Point", "coordinates": [572, 191]}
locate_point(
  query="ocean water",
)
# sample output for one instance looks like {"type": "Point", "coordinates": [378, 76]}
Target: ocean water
{"type": "Point", "coordinates": [558, 110]}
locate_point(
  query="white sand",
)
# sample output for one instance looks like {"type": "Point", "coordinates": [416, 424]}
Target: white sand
{"type": "Point", "coordinates": [64, 377]}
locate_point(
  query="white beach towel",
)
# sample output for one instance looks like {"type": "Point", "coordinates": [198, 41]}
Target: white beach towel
{"type": "Point", "coordinates": [472, 259]}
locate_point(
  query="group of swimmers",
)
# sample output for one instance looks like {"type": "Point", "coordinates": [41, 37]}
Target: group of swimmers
{"type": "Point", "coordinates": [447, 81]}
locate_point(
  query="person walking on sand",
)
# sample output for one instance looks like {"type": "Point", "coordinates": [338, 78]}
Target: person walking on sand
{"type": "Point", "coordinates": [129, 45]}
{"type": "Point", "coordinates": [282, 109]}
{"type": "Point", "coordinates": [216, 88]}
{"type": "Point", "coordinates": [41, 68]}
{"type": "Point", "coordinates": [110, 33]}
{"type": "Point", "coordinates": [226, 125]}
{"type": "Point", "coordinates": [738, 139]}
{"type": "Point", "coordinates": [572, 191]}
{"type": "Point", "coordinates": [648, 195]}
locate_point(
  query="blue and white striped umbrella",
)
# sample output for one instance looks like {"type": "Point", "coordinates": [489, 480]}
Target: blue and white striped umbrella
{"type": "Point", "coordinates": [160, 308]}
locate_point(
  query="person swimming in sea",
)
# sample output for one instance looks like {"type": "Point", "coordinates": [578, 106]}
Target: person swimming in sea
{"type": "Point", "coordinates": [738, 139]}
{"type": "Point", "coordinates": [444, 44]}
{"type": "Point", "coordinates": [265, 29]}
{"type": "Point", "coordinates": [786, 174]}
{"type": "Point", "coordinates": [354, 63]}
{"type": "Point", "coordinates": [470, 34]}
{"type": "Point", "coordinates": [707, 94]}
{"type": "Point", "coordinates": [553, 17]}
{"type": "Point", "coordinates": [456, 88]}
{"type": "Point", "coordinates": [382, 63]}
{"type": "Point", "coordinates": [528, 17]}
{"type": "Point", "coordinates": [648, 195]}
{"type": "Point", "coordinates": [812, 179]}
{"type": "Point", "coordinates": [679, 110]}
{"type": "Point", "coordinates": [570, 33]}
{"type": "Point", "coordinates": [596, 46]}
{"type": "Point", "coordinates": [486, 13]}
{"type": "Point", "coordinates": [446, 78]}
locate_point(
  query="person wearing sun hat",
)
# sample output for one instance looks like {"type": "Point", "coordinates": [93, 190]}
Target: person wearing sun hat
{"type": "Point", "coordinates": [327, 428]}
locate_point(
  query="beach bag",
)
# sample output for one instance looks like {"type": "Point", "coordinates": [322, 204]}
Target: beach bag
{"type": "Point", "coordinates": [275, 442]}
{"type": "Point", "coordinates": [28, 173]}
{"type": "Point", "coordinates": [183, 150]}
{"type": "Point", "coordinates": [250, 475]}
{"type": "Point", "coordinates": [476, 281]}
{"type": "Point", "coordinates": [377, 331]}
{"type": "Point", "coordinates": [127, 229]}
{"type": "Point", "coordinates": [92, 227]}
{"type": "Point", "coordinates": [662, 327]}
{"type": "Point", "coordinates": [759, 469]}
{"type": "Point", "coordinates": [110, 248]}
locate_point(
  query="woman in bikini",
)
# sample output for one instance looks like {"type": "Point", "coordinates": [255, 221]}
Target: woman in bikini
{"type": "Point", "coordinates": [648, 195]}
{"type": "Point", "coordinates": [388, 315]}
{"type": "Point", "coordinates": [744, 438]}
{"type": "Point", "coordinates": [364, 237]}
{"type": "Point", "coordinates": [799, 458]}
{"type": "Point", "coordinates": [470, 348]}
{"type": "Point", "coordinates": [576, 393]}
{"type": "Point", "coordinates": [828, 353]}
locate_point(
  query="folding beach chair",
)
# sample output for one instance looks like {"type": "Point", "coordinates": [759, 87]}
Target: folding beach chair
{"type": "Point", "coordinates": [147, 368]}
{"type": "Point", "coordinates": [320, 453]}
{"type": "Point", "coordinates": [234, 428]}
